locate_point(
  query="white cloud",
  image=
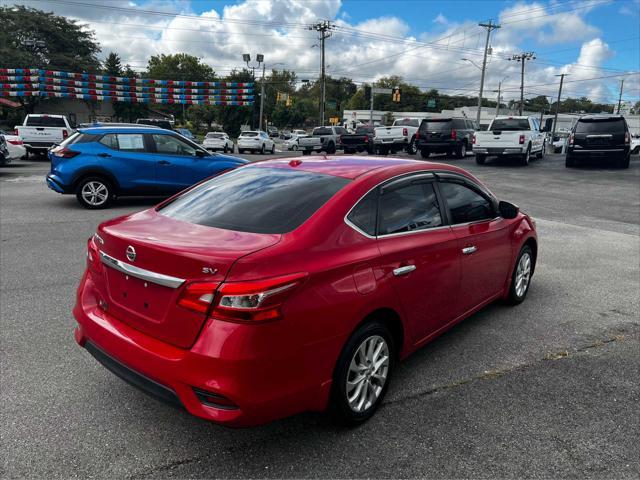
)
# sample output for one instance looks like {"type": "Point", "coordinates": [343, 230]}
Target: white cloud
{"type": "Point", "coordinates": [441, 19]}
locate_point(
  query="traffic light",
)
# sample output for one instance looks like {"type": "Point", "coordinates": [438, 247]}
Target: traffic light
{"type": "Point", "coordinates": [395, 95]}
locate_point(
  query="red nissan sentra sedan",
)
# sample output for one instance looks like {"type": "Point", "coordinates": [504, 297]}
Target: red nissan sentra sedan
{"type": "Point", "coordinates": [294, 285]}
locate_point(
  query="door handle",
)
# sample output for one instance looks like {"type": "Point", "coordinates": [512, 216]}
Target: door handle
{"type": "Point", "coordinates": [469, 250]}
{"type": "Point", "coordinates": [403, 270]}
{"type": "Point", "coordinates": [104, 155]}
{"type": "Point", "coordinates": [164, 162]}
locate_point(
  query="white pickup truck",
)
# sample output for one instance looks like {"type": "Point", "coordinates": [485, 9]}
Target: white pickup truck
{"type": "Point", "coordinates": [39, 132]}
{"type": "Point", "coordinates": [323, 139]}
{"type": "Point", "coordinates": [518, 137]}
{"type": "Point", "coordinates": [399, 136]}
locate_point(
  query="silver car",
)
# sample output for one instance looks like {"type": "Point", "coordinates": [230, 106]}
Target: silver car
{"type": "Point", "coordinates": [218, 141]}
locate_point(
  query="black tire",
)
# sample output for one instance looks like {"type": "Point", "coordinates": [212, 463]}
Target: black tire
{"type": "Point", "coordinates": [461, 150]}
{"type": "Point", "coordinates": [624, 161]}
{"type": "Point", "coordinates": [424, 153]}
{"type": "Point", "coordinates": [273, 149]}
{"type": "Point", "coordinates": [240, 150]}
{"type": "Point", "coordinates": [306, 152]}
{"type": "Point", "coordinates": [262, 150]}
{"type": "Point", "coordinates": [371, 150]}
{"type": "Point", "coordinates": [526, 158]}
{"type": "Point", "coordinates": [225, 149]}
{"type": "Point", "coordinates": [331, 148]}
{"type": "Point", "coordinates": [540, 155]}
{"type": "Point", "coordinates": [339, 398]}
{"type": "Point", "coordinates": [103, 192]}
{"type": "Point", "coordinates": [515, 295]}
{"type": "Point", "coordinates": [480, 159]}
{"type": "Point", "coordinates": [349, 150]}
{"type": "Point", "coordinates": [383, 150]}
{"type": "Point", "coordinates": [569, 161]}
{"type": "Point", "coordinates": [412, 148]}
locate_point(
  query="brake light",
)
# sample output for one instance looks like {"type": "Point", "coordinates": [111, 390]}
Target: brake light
{"type": "Point", "coordinates": [366, 139]}
{"type": "Point", "coordinates": [15, 142]}
{"type": "Point", "coordinates": [454, 134]}
{"type": "Point", "coordinates": [15, 132]}
{"type": "Point", "coordinates": [627, 139]}
{"type": "Point", "coordinates": [93, 256]}
{"type": "Point", "coordinates": [198, 296]}
{"type": "Point", "coordinates": [405, 132]}
{"type": "Point", "coordinates": [473, 140]}
{"type": "Point", "coordinates": [63, 152]}
{"type": "Point", "coordinates": [65, 134]}
{"type": "Point", "coordinates": [521, 140]}
{"type": "Point", "coordinates": [571, 138]}
{"type": "Point", "coordinates": [256, 301]}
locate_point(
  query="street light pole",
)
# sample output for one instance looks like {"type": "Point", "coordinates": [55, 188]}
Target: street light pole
{"type": "Point", "coordinates": [260, 59]}
{"type": "Point", "coordinates": [264, 69]}
{"type": "Point", "coordinates": [489, 26]}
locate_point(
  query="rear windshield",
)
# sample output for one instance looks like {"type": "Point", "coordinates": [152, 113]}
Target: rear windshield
{"type": "Point", "coordinates": [78, 137]}
{"type": "Point", "coordinates": [322, 131]}
{"type": "Point", "coordinates": [256, 200]}
{"type": "Point", "coordinates": [436, 125]}
{"type": "Point", "coordinates": [45, 122]}
{"type": "Point", "coordinates": [510, 124]}
{"type": "Point", "coordinates": [214, 135]}
{"type": "Point", "coordinates": [249, 134]}
{"type": "Point", "coordinates": [364, 130]}
{"type": "Point", "coordinates": [600, 125]}
{"type": "Point", "coordinates": [407, 122]}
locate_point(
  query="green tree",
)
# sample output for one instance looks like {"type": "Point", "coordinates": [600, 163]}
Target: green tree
{"type": "Point", "coordinates": [199, 114]}
{"type": "Point", "coordinates": [32, 38]}
{"type": "Point", "coordinates": [113, 65]}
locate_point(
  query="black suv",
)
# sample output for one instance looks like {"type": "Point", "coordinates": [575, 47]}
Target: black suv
{"type": "Point", "coordinates": [603, 137]}
{"type": "Point", "coordinates": [445, 135]}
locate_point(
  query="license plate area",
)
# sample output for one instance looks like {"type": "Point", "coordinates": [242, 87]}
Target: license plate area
{"type": "Point", "coordinates": [147, 299]}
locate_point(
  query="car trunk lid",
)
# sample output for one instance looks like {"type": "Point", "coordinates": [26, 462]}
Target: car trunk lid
{"type": "Point", "coordinates": [148, 260]}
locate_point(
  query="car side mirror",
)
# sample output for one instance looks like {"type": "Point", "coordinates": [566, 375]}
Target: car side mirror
{"type": "Point", "coordinates": [508, 210]}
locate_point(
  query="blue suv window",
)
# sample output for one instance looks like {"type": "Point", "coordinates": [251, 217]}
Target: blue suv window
{"type": "Point", "coordinates": [172, 145]}
{"type": "Point", "coordinates": [126, 142]}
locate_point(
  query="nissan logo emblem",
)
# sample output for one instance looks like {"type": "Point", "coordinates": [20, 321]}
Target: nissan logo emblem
{"type": "Point", "coordinates": [131, 253]}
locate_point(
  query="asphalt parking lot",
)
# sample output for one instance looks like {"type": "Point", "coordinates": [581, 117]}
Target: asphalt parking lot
{"type": "Point", "coordinates": [546, 389]}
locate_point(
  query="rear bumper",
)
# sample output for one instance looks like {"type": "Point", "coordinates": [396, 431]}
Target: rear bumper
{"type": "Point", "coordinates": [499, 150]}
{"type": "Point", "coordinates": [39, 145]}
{"type": "Point", "coordinates": [439, 147]}
{"type": "Point", "coordinates": [390, 141]}
{"type": "Point", "coordinates": [598, 153]}
{"type": "Point", "coordinates": [55, 183]}
{"type": "Point", "coordinates": [263, 386]}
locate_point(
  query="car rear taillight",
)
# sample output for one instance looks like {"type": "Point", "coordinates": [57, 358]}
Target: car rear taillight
{"type": "Point", "coordinates": [417, 135]}
{"type": "Point", "coordinates": [63, 152]}
{"type": "Point", "coordinates": [198, 296]}
{"type": "Point", "coordinates": [255, 301]}
{"type": "Point", "coordinates": [521, 140]}
{"type": "Point", "coordinates": [454, 134]}
{"type": "Point", "coordinates": [366, 139]}
{"type": "Point", "coordinates": [15, 142]}
{"type": "Point", "coordinates": [93, 256]}
{"type": "Point", "coordinates": [65, 134]}
{"type": "Point", "coordinates": [473, 140]}
{"type": "Point", "coordinates": [15, 132]}
{"type": "Point", "coordinates": [627, 138]}
{"type": "Point", "coordinates": [571, 139]}
{"type": "Point", "coordinates": [405, 132]}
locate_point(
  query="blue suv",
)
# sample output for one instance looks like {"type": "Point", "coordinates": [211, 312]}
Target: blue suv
{"type": "Point", "coordinates": [100, 163]}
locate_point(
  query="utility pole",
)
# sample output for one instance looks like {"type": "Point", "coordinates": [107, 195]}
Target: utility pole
{"type": "Point", "coordinates": [523, 57]}
{"type": "Point", "coordinates": [324, 27]}
{"type": "Point", "coordinates": [489, 26]}
{"type": "Point", "coordinates": [620, 96]}
{"type": "Point", "coordinates": [555, 118]}
{"type": "Point", "coordinates": [499, 95]}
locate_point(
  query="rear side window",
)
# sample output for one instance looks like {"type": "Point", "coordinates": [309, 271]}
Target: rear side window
{"type": "Point", "coordinates": [322, 131]}
{"type": "Point", "coordinates": [256, 200]}
{"type": "Point", "coordinates": [407, 122]}
{"type": "Point", "coordinates": [409, 208]}
{"type": "Point", "coordinates": [364, 130]}
{"type": "Point", "coordinates": [78, 137]}
{"type": "Point", "coordinates": [249, 134]}
{"type": "Point", "coordinates": [45, 122]}
{"type": "Point", "coordinates": [465, 204]}
{"type": "Point", "coordinates": [364, 214]}
{"type": "Point", "coordinates": [510, 124]}
{"type": "Point", "coordinates": [604, 126]}
{"type": "Point", "coordinates": [127, 142]}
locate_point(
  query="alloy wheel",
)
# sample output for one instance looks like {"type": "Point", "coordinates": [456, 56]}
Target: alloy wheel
{"type": "Point", "coordinates": [95, 193]}
{"type": "Point", "coordinates": [523, 274]}
{"type": "Point", "coordinates": [368, 372]}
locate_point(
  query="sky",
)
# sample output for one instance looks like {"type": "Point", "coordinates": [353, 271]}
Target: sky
{"type": "Point", "coordinates": [595, 42]}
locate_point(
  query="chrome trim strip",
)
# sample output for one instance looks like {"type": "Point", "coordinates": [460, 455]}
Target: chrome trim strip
{"type": "Point", "coordinates": [141, 273]}
{"type": "Point", "coordinates": [469, 250]}
{"type": "Point", "coordinates": [610, 150]}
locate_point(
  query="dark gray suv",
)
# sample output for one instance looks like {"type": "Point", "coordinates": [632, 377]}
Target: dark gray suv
{"type": "Point", "coordinates": [603, 137]}
{"type": "Point", "coordinates": [453, 136]}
